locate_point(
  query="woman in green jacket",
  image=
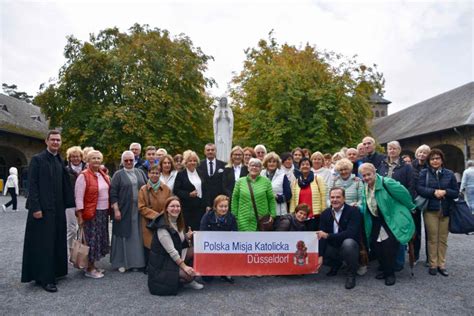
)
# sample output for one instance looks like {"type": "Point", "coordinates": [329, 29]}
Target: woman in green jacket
{"type": "Point", "coordinates": [242, 206]}
{"type": "Point", "coordinates": [386, 206]}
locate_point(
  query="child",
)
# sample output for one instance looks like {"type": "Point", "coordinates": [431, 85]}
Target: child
{"type": "Point", "coordinates": [219, 219]}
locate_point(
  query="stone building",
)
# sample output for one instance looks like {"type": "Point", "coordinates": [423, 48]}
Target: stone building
{"type": "Point", "coordinates": [445, 121]}
{"type": "Point", "coordinates": [379, 106]}
{"type": "Point", "coordinates": [23, 129]}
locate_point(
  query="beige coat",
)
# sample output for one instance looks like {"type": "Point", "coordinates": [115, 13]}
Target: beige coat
{"type": "Point", "coordinates": [151, 205]}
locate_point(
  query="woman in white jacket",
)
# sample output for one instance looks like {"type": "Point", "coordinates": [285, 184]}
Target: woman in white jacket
{"type": "Point", "coordinates": [11, 186]}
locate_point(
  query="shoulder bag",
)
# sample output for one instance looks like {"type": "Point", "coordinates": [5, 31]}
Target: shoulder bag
{"type": "Point", "coordinates": [461, 218]}
{"type": "Point", "coordinates": [264, 223]}
{"type": "Point", "coordinates": [421, 202]}
{"type": "Point", "coordinates": [80, 251]}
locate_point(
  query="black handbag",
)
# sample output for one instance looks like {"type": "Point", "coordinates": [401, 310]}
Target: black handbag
{"type": "Point", "coordinates": [461, 218]}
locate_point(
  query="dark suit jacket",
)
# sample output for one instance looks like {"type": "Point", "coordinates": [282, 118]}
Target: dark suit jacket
{"type": "Point", "coordinates": [228, 179]}
{"type": "Point", "coordinates": [213, 185]}
{"type": "Point", "coordinates": [349, 227]}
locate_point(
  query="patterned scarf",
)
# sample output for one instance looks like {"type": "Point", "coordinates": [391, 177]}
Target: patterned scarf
{"type": "Point", "coordinates": [303, 183]}
{"type": "Point", "coordinates": [154, 186]}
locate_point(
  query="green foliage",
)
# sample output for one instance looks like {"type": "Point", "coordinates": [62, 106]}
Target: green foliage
{"type": "Point", "coordinates": [287, 97]}
{"type": "Point", "coordinates": [11, 90]}
{"type": "Point", "coordinates": [141, 86]}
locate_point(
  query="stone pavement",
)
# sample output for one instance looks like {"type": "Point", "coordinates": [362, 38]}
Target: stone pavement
{"type": "Point", "coordinates": [127, 294]}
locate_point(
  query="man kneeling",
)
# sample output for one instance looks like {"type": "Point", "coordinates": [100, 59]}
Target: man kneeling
{"type": "Point", "coordinates": [338, 235]}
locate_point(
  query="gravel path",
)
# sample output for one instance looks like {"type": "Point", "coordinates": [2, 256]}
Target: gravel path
{"type": "Point", "coordinates": [127, 294]}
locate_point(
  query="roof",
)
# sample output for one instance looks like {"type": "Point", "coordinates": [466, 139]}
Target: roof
{"type": "Point", "coordinates": [377, 99]}
{"type": "Point", "coordinates": [22, 118]}
{"type": "Point", "coordinates": [451, 109]}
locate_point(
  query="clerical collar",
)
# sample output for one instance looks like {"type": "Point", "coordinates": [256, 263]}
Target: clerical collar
{"type": "Point", "coordinates": [54, 154]}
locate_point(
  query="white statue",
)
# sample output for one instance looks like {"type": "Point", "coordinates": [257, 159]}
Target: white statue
{"type": "Point", "coordinates": [223, 128]}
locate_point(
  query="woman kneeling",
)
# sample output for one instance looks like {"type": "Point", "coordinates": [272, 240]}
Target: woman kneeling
{"type": "Point", "coordinates": [168, 265]}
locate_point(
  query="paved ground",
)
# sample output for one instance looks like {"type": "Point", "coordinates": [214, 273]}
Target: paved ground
{"type": "Point", "coordinates": [127, 294]}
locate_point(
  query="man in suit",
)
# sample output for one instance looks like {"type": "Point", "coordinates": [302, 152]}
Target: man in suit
{"type": "Point", "coordinates": [136, 149]}
{"type": "Point", "coordinates": [212, 169]}
{"type": "Point", "coordinates": [338, 236]}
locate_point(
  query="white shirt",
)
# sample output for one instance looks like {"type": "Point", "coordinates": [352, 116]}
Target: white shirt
{"type": "Point", "coordinates": [237, 170]}
{"type": "Point", "coordinates": [196, 181]}
{"type": "Point", "coordinates": [209, 166]}
{"type": "Point", "coordinates": [338, 215]}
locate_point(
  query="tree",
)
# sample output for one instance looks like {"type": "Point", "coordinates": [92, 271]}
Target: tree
{"type": "Point", "coordinates": [11, 90]}
{"type": "Point", "coordinates": [287, 97]}
{"type": "Point", "coordinates": [141, 86]}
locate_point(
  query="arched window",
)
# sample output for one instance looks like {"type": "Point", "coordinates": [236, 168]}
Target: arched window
{"type": "Point", "coordinates": [377, 114]}
{"type": "Point", "coordinates": [383, 113]}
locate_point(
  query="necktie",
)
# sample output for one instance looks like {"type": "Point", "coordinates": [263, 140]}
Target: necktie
{"type": "Point", "coordinates": [211, 171]}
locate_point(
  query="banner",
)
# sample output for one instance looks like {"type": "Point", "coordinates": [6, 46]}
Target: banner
{"type": "Point", "coordinates": [255, 253]}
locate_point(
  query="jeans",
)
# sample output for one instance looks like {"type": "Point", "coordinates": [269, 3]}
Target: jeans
{"type": "Point", "coordinates": [348, 252]}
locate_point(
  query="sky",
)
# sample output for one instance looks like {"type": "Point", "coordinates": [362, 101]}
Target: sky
{"type": "Point", "coordinates": [423, 48]}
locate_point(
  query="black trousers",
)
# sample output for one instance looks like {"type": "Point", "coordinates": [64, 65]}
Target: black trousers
{"type": "Point", "coordinates": [417, 243]}
{"type": "Point", "coordinates": [312, 224]}
{"type": "Point", "coordinates": [13, 200]}
{"type": "Point", "coordinates": [348, 252]}
{"type": "Point", "coordinates": [385, 251]}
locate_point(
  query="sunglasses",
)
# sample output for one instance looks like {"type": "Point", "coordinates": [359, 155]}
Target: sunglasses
{"type": "Point", "coordinates": [128, 160]}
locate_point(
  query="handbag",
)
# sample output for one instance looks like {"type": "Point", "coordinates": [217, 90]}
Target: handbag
{"type": "Point", "coordinates": [80, 251]}
{"type": "Point", "coordinates": [461, 218]}
{"type": "Point", "coordinates": [264, 223]}
{"type": "Point", "coordinates": [421, 202]}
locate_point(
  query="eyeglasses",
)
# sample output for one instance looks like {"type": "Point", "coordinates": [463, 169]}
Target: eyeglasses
{"type": "Point", "coordinates": [435, 158]}
{"type": "Point", "coordinates": [128, 160]}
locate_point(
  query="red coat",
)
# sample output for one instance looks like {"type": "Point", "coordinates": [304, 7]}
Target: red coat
{"type": "Point", "coordinates": [91, 195]}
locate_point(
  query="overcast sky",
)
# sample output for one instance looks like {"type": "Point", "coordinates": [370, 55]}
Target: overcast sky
{"type": "Point", "coordinates": [424, 48]}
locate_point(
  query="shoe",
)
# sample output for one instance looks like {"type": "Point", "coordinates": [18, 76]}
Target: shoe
{"type": "Point", "coordinates": [50, 288]}
{"type": "Point", "coordinates": [390, 280]}
{"type": "Point", "coordinates": [427, 264]}
{"type": "Point", "coordinates": [362, 270]}
{"type": "Point", "coordinates": [380, 276]}
{"type": "Point", "coordinates": [228, 279]}
{"type": "Point", "coordinates": [4, 208]}
{"type": "Point", "coordinates": [194, 285]}
{"type": "Point", "coordinates": [94, 274]}
{"type": "Point", "coordinates": [432, 271]}
{"type": "Point", "coordinates": [122, 269]}
{"type": "Point", "coordinates": [332, 272]}
{"type": "Point", "coordinates": [350, 282]}
{"type": "Point", "coordinates": [100, 270]}
{"type": "Point", "coordinates": [398, 268]}
{"type": "Point", "coordinates": [443, 272]}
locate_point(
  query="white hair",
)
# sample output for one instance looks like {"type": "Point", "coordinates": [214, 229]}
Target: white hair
{"type": "Point", "coordinates": [127, 153]}
{"type": "Point", "coordinates": [135, 144]}
{"type": "Point", "coordinates": [255, 161]}
{"type": "Point", "coordinates": [260, 146]}
{"type": "Point", "coordinates": [394, 143]}
{"type": "Point", "coordinates": [162, 150]}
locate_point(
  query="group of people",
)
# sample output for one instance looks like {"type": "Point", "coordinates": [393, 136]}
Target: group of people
{"type": "Point", "coordinates": [359, 203]}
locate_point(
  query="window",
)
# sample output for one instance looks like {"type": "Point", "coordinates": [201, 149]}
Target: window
{"type": "Point", "coordinates": [377, 114]}
{"type": "Point", "coordinates": [3, 107]}
{"type": "Point", "coordinates": [36, 118]}
{"type": "Point", "coordinates": [383, 113]}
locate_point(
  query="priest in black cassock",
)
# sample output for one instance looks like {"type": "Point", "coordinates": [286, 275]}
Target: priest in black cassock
{"type": "Point", "coordinates": [50, 193]}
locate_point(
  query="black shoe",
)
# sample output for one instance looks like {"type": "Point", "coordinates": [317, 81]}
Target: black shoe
{"type": "Point", "coordinates": [228, 279]}
{"type": "Point", "coordinates": [350, 282]}
{"type": "Point", "coordinates": [398, 268]}
{"type": "Point", "coordinates": [332, 272]}
{"type": "Point", "coordinates": [50, 288]}
{"type": "Point", "coordinates": [380, 276]}
{"type": "Point", "coordinates": [443, 272]}
{"type": "Point", "coordinates": [390, 280]}
{"type": "Point", "coordinates": [432, 271]}
{"type": "Point", "coordinates": [427, 264]}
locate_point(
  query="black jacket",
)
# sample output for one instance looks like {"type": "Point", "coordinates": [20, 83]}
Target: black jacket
{"type": "Point", "coordinates": [349, 227]}
{"type": "Point", "coordinates": [193, 207]}
{"type": "Point", "coordinates": [444, 180]}
{"type": "Point", "coordinates": [210, 222]}
{"type": "Point", "coordinates": [163, 272]}
{"type": "Point", "coordinates": [228, 179]}
{"type": "Point", "coordinates": [288, 222]}
{"type": "Point", "coordinates": [403, 173]}
{"type": "Point", "coordinates": [374, 159]}
{"type": "Point", "coordinates": [212, 184]}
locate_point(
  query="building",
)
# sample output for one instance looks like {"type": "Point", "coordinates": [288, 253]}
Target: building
{"type": "Point", "coordinates": [445, 121]}
{"type": "Point", "coordinates": [23, 129]}
{"type": "Point", "coordinates": [379, 106]}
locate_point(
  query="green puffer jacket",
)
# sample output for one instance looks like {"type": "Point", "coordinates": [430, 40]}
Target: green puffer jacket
{"type": "Point", "coordinates": [242, 207]}
{"type": "Point", "coordinates": [395, 208]}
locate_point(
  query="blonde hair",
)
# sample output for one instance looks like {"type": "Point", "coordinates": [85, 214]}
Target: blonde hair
{"type": "Point", "coordinates": [86, 150]}
{"type": "Point", "coordinates": [220, 198]}
{"type": "Point", "coordinates": [367, 166]}
{"type": "Point", "coordinates": [74, 150]}
{"type": "Point", "coordinates": [424, 148]}
{"type": "Point", "coordinates": [344, 163]}
{"type": "Point", "coordinates": [93, 152]}
{"type": "Point", "coordinates": [236, 148]}
{"type": "Point", "coordinates": [188, 154]}
{"type": "Point", "coordinates": [317, 154]}
{"type": "Point", "coordinates": [271, 156]}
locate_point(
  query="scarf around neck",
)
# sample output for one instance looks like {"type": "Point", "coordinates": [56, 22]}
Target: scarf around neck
{"type": "Point", "coordinates": [154, 186]}
{"type": "Point", "coordinates": [303, 183]}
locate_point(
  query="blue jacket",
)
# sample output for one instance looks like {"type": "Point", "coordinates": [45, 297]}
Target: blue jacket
{"type": "Point", "coordinates": [210, 222]}
{"type": "Point", "coordinates": [349, 227]}
{"type": "Point", "coordinates": [444, 180]}
{"type": "Point", "coordinates": [403, 173]}
{"type": "Point", "coordinates": [375, 159]}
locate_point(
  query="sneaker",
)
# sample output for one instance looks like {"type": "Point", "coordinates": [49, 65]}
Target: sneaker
{"type": "Point", "coordinates": [4, 208]}
{"type": "Point", "coordinates": [94, 274]}
{"type": "Point", "coordinates": [194, 285]}
{"type": "Point", "coordinates": [122, 269]}
{"type": "Point", "coordinates": [100, 270]}
{"type": "Point", "coordinates": [362, 270]}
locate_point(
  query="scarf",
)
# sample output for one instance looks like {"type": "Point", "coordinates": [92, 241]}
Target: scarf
{"type": "Point", "coordinates": [303, 183]}
{"type": "Point", "coordinates": [154, 186]}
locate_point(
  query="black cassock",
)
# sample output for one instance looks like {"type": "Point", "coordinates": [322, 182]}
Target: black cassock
{"type": "Point", "coordinates": [45, 248]}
